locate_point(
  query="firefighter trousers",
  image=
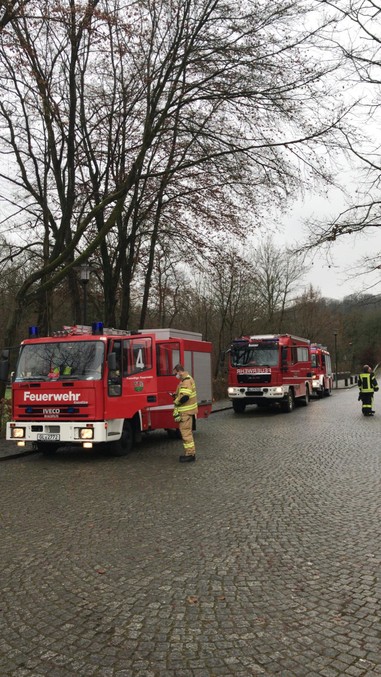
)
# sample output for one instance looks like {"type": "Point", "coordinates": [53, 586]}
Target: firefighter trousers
{"type": "Point", "coordinates": [367, 403]}
{"type": "Point", "coordinates": [186, 428]}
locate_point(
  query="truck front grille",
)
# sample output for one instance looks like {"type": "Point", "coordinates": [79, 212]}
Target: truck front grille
{"type": "Point", "coordinates": [254, 378]}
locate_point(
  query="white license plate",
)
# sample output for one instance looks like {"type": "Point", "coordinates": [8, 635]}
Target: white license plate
{"type": "Point", "coordinates": [254, 391]}
{"type": "Point", "coordinates": [48, 437]}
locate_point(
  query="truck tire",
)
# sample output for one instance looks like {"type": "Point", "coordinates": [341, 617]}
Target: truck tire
{"type": "Point", "coordinates": [239, 406]}
{"type": "Point", "coordinates": [306, 399]}
{"type": "Point", "coordinates": [123, 446]}
{"type": "Point", "coordinates": [289, 403]}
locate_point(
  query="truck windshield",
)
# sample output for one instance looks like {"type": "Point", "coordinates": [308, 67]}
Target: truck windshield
{"type": "Point", "coordinates": [60, 360]}
{"type": "Point", "coordinates": [261, 355]}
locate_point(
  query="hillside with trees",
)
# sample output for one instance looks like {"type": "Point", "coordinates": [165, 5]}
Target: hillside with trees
{"type": "Point", "coordinates": [228, 301]}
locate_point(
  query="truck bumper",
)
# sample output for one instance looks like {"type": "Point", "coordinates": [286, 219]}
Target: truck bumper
{"type": "Point", "coordinates": [317, 386]}
{"type": "Point", "coordinates": [270, 393]}
{"type": "Point", "coordinates": [64, 432]}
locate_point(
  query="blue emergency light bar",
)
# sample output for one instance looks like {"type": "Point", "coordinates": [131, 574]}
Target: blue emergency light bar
{"type": "Point", "coordinates": [97, 328]}
{"type": "Point", "coordinates": [33, 332]}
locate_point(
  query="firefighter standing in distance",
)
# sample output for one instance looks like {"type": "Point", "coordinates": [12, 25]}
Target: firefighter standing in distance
{"type": "Point", "coordinates": [367, 386]}
{"type": "Point", "coordinates": [185, 409]}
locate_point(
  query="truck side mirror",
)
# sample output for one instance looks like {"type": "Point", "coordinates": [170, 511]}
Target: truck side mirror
{"type": "Point", "coordinates": [283, 359]}
{"type": "Point", "coordinates": [111, 361]}
{"type": "Point", "coordinates": [114, 377]}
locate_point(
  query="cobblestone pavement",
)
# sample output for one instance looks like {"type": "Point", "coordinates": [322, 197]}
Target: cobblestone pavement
{"type": "Point", "coordinates": [262, 558]}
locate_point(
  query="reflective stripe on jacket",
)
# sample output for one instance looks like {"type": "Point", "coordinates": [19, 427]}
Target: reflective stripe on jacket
{"type": "Point", "coordinates": [186, 389]}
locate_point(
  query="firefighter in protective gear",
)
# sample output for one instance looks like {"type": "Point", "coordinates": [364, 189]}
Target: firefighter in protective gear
{"type": "Point", "coordinates": [367, 387]}
{"type": "Point", "coordinates": [185, 410]}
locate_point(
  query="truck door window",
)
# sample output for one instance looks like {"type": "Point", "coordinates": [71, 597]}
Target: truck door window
{"type": "Point", "coordinates": [168, 355]}
{"type": "Point", "coordinates": [299, 354]}
{"type": "Point", "coordinates": [137, 356]}
{"type": "Point", "coordinates": [302, 354]}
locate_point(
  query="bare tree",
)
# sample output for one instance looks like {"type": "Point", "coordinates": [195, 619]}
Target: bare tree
{"type": "Point", "coordinates": [276, 274]}
{"type": "Point", "coordinates": [10, 9]}
{"type": "Point", "coordinates": [311, 317]}
{"type": "Point", "coordinates": [107, 107]}
{"type": "Point", "coordinates": [357, 38]}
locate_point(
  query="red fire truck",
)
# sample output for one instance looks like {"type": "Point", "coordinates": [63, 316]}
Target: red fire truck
{"type": "Point", "coordinates": [87, 386]}
{"type": "Point", "coordinates": [322, 375]}
{"type": "Point", "coordinates": [268, 369]}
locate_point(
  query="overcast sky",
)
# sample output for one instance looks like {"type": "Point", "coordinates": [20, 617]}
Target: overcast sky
{"type": "Point", "coordinates": [339, 271]}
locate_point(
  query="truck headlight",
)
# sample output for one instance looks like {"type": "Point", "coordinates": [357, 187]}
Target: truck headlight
{"type": "Point", "coordinates": [18, 433]}
{"type": "Point", "coordinates": [86, 433]}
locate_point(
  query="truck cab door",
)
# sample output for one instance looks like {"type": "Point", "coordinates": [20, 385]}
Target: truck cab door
{"type": "Point", "coordinates": [131, 380]}
{"type": "Point", "coordinates": [167, 356]}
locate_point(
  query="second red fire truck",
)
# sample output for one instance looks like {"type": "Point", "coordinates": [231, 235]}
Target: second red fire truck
{"type": "Point", "coordinates": [88, 386]}
{"type": "Point", "coordinates": [269, 369]}
{"type": "Point", "coordinates": [322, 375]}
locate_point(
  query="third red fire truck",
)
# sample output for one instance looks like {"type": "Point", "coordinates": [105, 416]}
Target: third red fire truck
{"type": "Point", "coordinates": [322, 375]}
{"type": "Point", "coordinates": [269, 368]}
{"type": "Point", "coordinates": [88, 386]}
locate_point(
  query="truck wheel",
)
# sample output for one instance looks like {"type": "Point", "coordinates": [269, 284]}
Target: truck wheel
{"type": "Point", "coordinates": [239, 406]}
{"type": "Point", "coordinates": [123, 446]}
{"type": "Point", "coordinates": [289, 403]}
{"type": "Point", "coordinates": [306, 399]}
